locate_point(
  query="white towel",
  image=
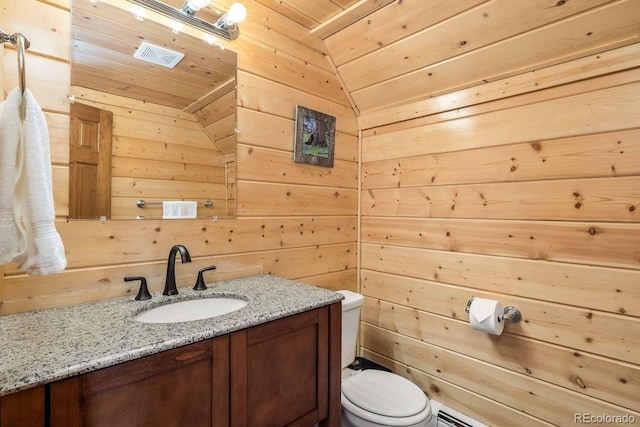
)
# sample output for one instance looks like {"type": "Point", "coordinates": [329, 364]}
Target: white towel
{"type": "Point", "coordinates": [44, 252]}
{"type": "Point", "coordinates": [11, 233]}
{"type": "Point", "coordinates": [179, 209]}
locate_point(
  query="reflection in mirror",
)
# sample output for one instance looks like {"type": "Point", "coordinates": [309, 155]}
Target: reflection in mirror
{"type": "Point", "coordinates": [173, 126]}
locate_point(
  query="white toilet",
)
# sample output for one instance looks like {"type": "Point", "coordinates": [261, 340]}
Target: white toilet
{"type": "Point", "coordinates": [373, 398]}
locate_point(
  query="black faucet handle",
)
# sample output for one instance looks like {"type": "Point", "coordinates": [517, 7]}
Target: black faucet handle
{"type": "Point", "coordinates": [143, 292]}
{"type": "Point", "coordinates": [200, 286]}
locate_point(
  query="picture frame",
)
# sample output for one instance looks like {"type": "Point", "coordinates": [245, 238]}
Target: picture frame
{"type": "Point", "coordinates": [314, 138]}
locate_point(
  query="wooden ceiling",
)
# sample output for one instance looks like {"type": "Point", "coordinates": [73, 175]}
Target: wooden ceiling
{"type": "Point", "coordinates": [104, 39]}
{"type": "Point", "coordinates": [325, 17]}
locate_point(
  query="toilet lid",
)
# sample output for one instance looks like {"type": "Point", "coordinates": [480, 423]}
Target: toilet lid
{"type": "Point", "coordinates": [384, 393]}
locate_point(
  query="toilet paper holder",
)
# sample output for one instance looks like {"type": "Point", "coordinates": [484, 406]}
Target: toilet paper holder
{"type": "Point", "coordinates": [510, 314]}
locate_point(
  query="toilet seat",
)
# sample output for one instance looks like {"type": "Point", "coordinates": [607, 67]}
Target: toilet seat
{"type": "Point", "coordinates": [384, 398]}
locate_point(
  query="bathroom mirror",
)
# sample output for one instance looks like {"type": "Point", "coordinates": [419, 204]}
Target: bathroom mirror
{"type": "Point", "coordinates": [152, 128]}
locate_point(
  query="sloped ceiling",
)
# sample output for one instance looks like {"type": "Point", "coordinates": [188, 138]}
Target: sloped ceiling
{"type": "Point", "coordinates": [392, 52]}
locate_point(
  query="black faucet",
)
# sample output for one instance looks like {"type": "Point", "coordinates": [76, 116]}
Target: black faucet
{"type": "Point", "coordinates": [170, 282]}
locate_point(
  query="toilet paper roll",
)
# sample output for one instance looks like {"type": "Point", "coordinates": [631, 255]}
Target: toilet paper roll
{"type": "Point", "coordinates": [485, 315]}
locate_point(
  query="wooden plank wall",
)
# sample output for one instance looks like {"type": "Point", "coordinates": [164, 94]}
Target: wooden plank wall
{"type": "Point", "coordinates": [531, 198]}
{"type": "Point", "coordinates": [294, 220]}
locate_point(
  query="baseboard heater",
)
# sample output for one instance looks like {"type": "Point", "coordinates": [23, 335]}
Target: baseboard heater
{"type": "Point", "coordinates": [444, 416]}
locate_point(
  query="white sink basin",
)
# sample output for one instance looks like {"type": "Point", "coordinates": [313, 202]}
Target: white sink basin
{"type": "Point", "coordinates": [195, 309]}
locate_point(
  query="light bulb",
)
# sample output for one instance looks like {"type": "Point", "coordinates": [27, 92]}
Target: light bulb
{"type": "Point", "coordinates": [197, 4]}
{"type": "Point", "coordinates": [192, 6]}
{"type": "Point", "coordinates": [139, 13]}
{"type": "Point", "coordinates": [237, 13]}
{"type": "Point", "coordinates": [176, 27]}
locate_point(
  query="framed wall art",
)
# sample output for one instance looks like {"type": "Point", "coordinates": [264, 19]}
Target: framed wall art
{"type": "Point", "coordinates": [315, 137]}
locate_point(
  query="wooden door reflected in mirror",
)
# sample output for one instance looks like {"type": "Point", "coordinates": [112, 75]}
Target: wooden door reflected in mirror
{"type": "Point", "coordinates": [90, 162]}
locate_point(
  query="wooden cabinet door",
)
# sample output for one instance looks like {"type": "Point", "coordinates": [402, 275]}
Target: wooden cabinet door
{"type": "Point", "coordinates": [187, 386]}
{"type": "Point", "coordinates": [279, 372]}
{"type": "Point", "coordinates": [23, 408]}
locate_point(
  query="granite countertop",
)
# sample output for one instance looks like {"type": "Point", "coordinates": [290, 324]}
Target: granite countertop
{"type": "Point", "coordinates": [43, 346]}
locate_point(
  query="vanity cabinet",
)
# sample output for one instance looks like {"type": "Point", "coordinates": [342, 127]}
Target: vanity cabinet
{"type": "Point", "coordinates": [281, 373]}
{"type": "Point", "coordinates": [23, 408]}
{"type": "Point", "coordinates": [178, 387]}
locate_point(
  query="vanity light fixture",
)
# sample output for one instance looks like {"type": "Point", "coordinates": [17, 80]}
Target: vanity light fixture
{"type": "Point", "coordinates": [225, 27]}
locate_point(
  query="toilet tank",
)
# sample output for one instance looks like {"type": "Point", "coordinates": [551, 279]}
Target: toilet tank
{"type": "Point", "coordinates": [350, 322]}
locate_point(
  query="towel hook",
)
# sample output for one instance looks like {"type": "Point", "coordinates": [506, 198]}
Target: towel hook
{"type": "Point", "coordinates": [22, 43]}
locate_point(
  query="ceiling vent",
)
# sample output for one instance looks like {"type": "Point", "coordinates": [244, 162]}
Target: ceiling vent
{"type": "Point", "coordinates": [158, 55]}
